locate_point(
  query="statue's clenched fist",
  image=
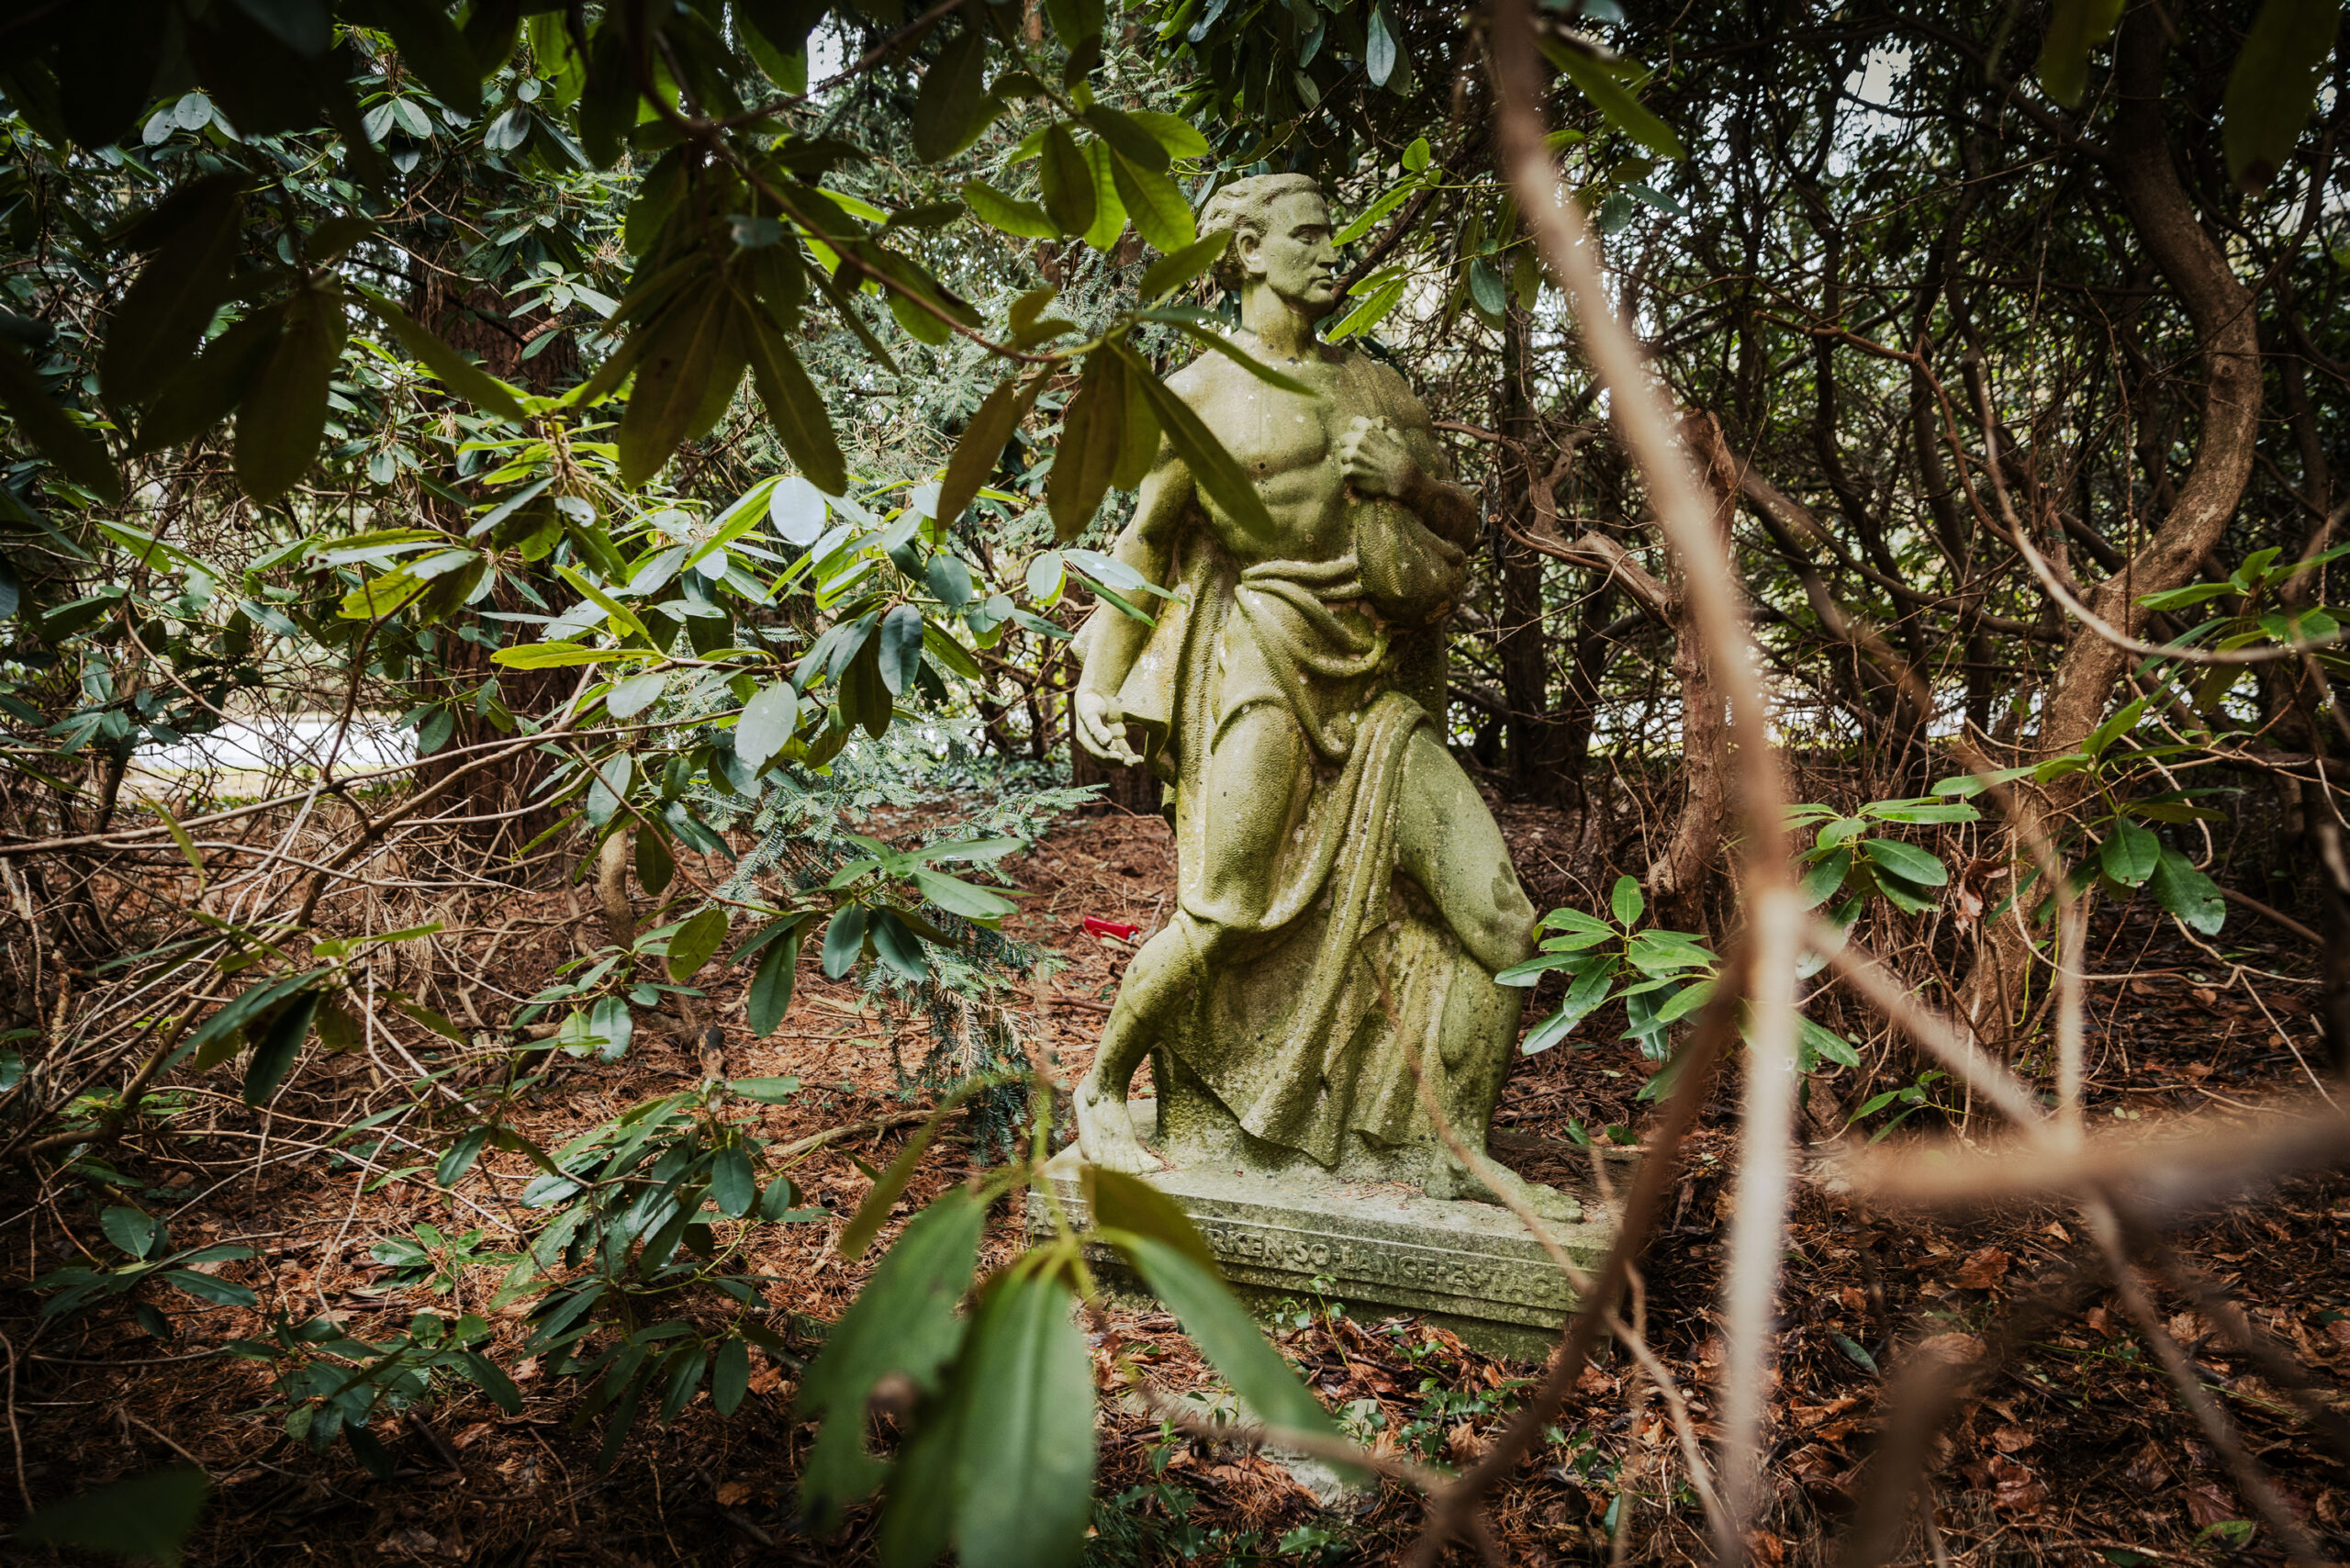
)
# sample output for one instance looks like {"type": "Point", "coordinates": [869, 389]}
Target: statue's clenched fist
{"type": "Point", "coordinates": [1372, 457]}
{"type": "Point", "coordinates": [1102, 728]}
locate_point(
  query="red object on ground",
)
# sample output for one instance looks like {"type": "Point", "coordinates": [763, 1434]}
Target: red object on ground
{"type": "Point", "coordinates": [1111, 928]}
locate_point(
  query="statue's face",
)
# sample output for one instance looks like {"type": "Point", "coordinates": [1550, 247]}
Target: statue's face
{"type": "Point", "coordinates": [1295, 258]}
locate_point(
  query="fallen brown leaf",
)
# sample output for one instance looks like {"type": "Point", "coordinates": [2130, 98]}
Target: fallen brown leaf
{"type": "Point", "coordinates": [1984, 1269]}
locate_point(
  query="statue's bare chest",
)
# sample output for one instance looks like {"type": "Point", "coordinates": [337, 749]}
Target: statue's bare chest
{"type": "Point", "coordinates": [1275, 433]}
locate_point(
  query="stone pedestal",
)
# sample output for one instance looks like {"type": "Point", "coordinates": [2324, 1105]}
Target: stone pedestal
{"type": "Point", "coordinates": [1377, 1248]}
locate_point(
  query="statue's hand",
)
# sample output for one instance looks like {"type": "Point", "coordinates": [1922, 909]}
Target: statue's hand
{"type": "Point", "coordinates": [1102, 729]}
{"type": "Point", "coordinates": [1374, 459]}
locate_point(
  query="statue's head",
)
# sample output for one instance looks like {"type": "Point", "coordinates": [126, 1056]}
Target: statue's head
{"type": "Point", "coordinates": [1280, 238]}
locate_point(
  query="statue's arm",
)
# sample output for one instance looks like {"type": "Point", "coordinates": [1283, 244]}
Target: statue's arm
{"type": "Point", "coordinates": [1111, 640]}
{"type": "Point", "coordinates": [1398, 456]}
{"type": "Point", "coordinates": [1450, 511]}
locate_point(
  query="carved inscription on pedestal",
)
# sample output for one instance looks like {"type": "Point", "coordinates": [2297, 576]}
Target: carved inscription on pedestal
{"type": "Point", "coordinates": [1392, 1264]}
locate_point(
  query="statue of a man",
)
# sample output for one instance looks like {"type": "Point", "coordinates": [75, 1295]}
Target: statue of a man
{"type": "Point", "coordinates": [1346, 898]}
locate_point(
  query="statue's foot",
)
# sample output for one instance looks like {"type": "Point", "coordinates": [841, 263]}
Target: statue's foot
{"type": "Point", "coordinates": [1106, 1133]}
{"type": "Point", "coordinates": [1448, 1179]}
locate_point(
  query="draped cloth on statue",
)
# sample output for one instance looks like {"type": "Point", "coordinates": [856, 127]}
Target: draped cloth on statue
{"type": "Point", "coordinates": [1312, 1029]}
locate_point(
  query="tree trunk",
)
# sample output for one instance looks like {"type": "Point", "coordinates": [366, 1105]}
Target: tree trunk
{"type": "Point", "coordinates": [2228, 345]}
{"type": "Point", "coordinates": [1537, 757]}
{"type": "Point", "coordinates": [1683, 880]}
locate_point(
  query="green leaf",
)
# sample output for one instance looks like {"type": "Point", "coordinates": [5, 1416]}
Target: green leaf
{"type": "Point", "coordinates": [1392, 197]}
{"type": "Point", "coordinates": [1531, 972]}
{"type": "Point", "coordinates": [633, 696]}
{"type": "Point", "coordinates": [1685, 1001]}
{"type": "Point", "coordinates": [1854, 1353]}
{"type": "Point", "coordinates": [2130, 854]}
{"type": "Point", "coordinates": [460, 1156]}
{"type": "Point", "coordinates": [1093, 429]}
{"type": "Point", "coordinates": [918, 1515]}
{"type": "Point", "coordinates": [795, 406]}
{"type": "Point", "coordinates": [1068, 181]}
{"type": "Point", "coordinates": [1009, 214]}
{"type": "Point", "coordinates": [953, 90]}
{"type": "Point", "coordinates": [1577, 921]}
{"type": "Point", "coordinates": [1614, 101]}
{"type": "Point", "coordinates": [247, 1004]}
{"type": "Point", "coordinates": [624, 619]}
{"type": "Point", "coordinates": [765, 1090]}
{"type": "Point", "coordinates": [1047, 573]}
{"type": "Point", "coordinates": [552, 656]}
{"type": "Point", "coordinates": [905, 1322]}
{"type": "Point", "coordinates": [902, 1321]}
{"type": "Point", "coordinates": [1076, 21]}
{"type": "Point", "coordinates": [1120, 1201]}
{"type": "Point", "coordinates": [1370, 312]}
{"type": "Point", "coordinates": [1109, 208]}
{"type": "Point", "coordinates": [980, 449]}
{"type": "Point", "coordinates": [2074, 28]}
{"type": "Point", "coordinates": [1179, 136]}
{"type": "Point", "coordinates": [78, 452]}
{"type": "Point", "coordinates": [771, 982]}
{"type": "Point", "coordinates": [134, 1230]}
{"type": "Point", "coordinates": [1923, 811]}
{"type": "Point", "coordinates": [1379, 51]}
{"type": "Point", "coordinates": [895, 945]}
{"type": "Point", "coordinates": [462, 376]}
{"type": "Point", "coordinates": [901, 651]}
{"type": "Point", "coordinates": [769, 719]}
{"type": "Point", "coordinates": [733, 1186]}
{"type": "Point", "coordinates": [1154, 202]}
{"type": "Point", "coordinates": [283, 416]}
{"type": "Point", "coordinates": [1906, 861]}
{"type": "Point", "coordinates": [1627, 903]}
{"type": "Point", "coordinates": [1180, 266]}
{"type": "Point", "coordinates": [1820, 883]}
{"type": "Point", "coordinates": [1226, 1335]}
{"type": "Point", "coordinates": [694, 943]}
{"type": "Point", "coordinates": [2273, 84]}
{"type": "Point", "coordinates": [160, 322]}
{"type": "Point", "coordinates": [959, 897]}
{"type": "Point", "coordinates": [1024, 1494]}
{"type": "Point", "coordinates": [2123, 720]}
{"type": "Point", "coordinates": [204, 1287]}
{"type": "Point", "coordinates": [1967, 784]}
{"type": "Point", "coordinates": [730, 1376]}
{"type": "Point", "coordinates": [1819, 1043]}
{"type": "Point", "coordinates": [2186, 597]}
{"type": "Point", "coordinates": [188, 851]}
{"type": "Point", "coordinates": [610, 1021]}
{"type": "Point", "coordinates": [146, 1517]}
{"type": "Point", "coordinates": [681, 356]}
{"type": "Point", "coordinates": [1213, 469]}
{"type": "Point", "coordinates": [874, 1212]}
{"type": "Point", "coordinates": [844, 940]}
{"type": "Point", "coordinates": [1128, 137]}
{"type": "Point", "coordinates": [685, 1366]}
{"type": "Point", "coordinates": [2187, 893]}
{"type": "Point", "coordinates": [203, 391]}
{"type": "Point", "coordinates": [280, 1043]}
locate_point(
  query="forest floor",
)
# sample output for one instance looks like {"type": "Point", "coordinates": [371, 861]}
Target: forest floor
{"type": "Point", "coordinates": [2069, 1445]}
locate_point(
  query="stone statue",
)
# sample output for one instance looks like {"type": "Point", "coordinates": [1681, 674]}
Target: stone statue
{"type": "Point", "coordinates": [1346, 898]}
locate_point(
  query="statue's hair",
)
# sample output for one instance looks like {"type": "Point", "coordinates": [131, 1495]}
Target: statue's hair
{"type": "Point", "coordinates": [1247, 206]}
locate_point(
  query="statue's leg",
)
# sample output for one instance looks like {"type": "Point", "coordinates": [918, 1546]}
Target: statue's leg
{"type": "Point", "coordinates": [1448, 844]}
{"type": "Point", "coordinates": [1154, 984]}
{"type": "Point", "coordinates": [1250, 782]}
